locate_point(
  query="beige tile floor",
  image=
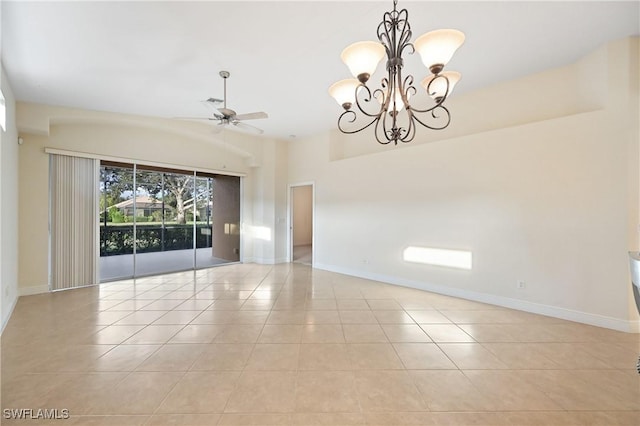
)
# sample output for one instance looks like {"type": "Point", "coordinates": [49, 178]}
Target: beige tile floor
{"type": "Point", "coordinates": [286, 344]}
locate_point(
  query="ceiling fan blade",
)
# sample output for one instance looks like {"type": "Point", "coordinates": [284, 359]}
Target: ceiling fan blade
{"type": "Point", "coordinates": [198, 118]}
{"type": "Point", "coordinates": [248, 127]}
{"type": "Point", "coordinates": [252, 116]}
{"type": "Point", "coordinates": [210, 105]}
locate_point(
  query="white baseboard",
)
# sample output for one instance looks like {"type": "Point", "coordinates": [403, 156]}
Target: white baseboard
{"type": "Point", "coordinates": [5, 320]}
{"type": "Point", "coordinates": [36, 289]}
{"type": "Point", "coordinates": [265, 261]}
{"type": "Point", "coordinates": [507, 302]}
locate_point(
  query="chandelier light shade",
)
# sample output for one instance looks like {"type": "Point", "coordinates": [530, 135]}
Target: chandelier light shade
{"type": "Point", "coordinates": [363, 58]}
{"type": "Point", "coordinates": [344, 92]}
{"type": "Point", "coordinates": [436, 48]}
{"type": "Point", "coordinates": [393, 118]}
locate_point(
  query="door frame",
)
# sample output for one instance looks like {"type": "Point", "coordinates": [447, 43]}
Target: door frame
{"type": "Point", "coordinates": [291, 186]}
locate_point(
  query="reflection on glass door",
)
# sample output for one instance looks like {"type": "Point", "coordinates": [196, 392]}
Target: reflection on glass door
{"type": "Point", "coordinates": [218, 211]}
{"type": "Point", "coordinates": [226, 218]}
{"type": "Point", "coordinates": [171, 222]}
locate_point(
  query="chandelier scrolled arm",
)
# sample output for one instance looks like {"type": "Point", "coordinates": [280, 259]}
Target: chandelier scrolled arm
{"type": "Point", "coordinates": [438, 107]}
{"type": "Point", "coordinates": [439, 100]}
{"type": "Point", "coordinates": [432, 112]}
{"type": "Point", "coordinates": [396, 119]}
{"type": "Point", "coordinates": [384, 35]}
{"type": "Point", "coordinates": [394, 32]}
{"type": "Point", "coordinates": [344, 117]}
{"type": "Point", "coordinates": [407, 88]}
{"type": "Point", "coordinates": [367, 98]}
{"type": "Point", "coordinates": [350, 116]}
{"type": "Point", "coordinates": [403, 30]}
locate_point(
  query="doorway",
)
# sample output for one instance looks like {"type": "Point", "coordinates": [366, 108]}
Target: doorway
{"type": "Point", "coordinates": [301, 201]}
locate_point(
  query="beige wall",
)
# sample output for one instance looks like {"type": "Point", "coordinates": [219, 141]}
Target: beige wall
{"type": "Point", "coordinates": [8, 206]}
{"type": "Point", "coordinates": [281, 176]}
{"type": "Point", "coordinates": [168, 142]}
{"type": "Point", "coordinates": [302, 214]}
{"type": "Point", "coordinates": [268, 182]}
{"type": "Point", "coordinates": [551, 200]}
{"type": "Point", "coordinates": [549, 95]}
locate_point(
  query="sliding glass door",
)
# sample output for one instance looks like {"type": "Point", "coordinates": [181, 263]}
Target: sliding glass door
{"type": "Point", "coordinates": [226, 218]}
{"type": "Point", "coordinates": [116, 221]}
{"type": "Point", "coordinates": [202, 209]}
{"type": "Point", "coordinates": [167, 224]}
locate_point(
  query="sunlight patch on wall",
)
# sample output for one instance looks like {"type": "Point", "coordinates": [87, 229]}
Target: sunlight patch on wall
{"type": "Point", "coordinates": [460, 259]}
{"type": "Point", "coordinates": [261, 232]}
{"type": "Point", "coordinates": [3, 112]}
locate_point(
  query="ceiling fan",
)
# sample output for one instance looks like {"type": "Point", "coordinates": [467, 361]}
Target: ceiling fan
{"type": "Point", "coordinates": [226, 116]}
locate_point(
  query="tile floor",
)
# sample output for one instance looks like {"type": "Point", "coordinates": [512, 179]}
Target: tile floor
{"type": "Point", "coordinates": [303, 254]}
{"type": "Point", "coordinates": [286, 344]}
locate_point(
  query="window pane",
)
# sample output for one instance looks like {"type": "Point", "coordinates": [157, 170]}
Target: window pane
{"type": "Point", "coordinates": [164, 222]}
{"type": "Point", "coordinates": [116, 224]}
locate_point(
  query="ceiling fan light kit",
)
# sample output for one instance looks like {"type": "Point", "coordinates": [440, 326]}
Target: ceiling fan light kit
{"type": "Point", "coordinates": [436, 48]}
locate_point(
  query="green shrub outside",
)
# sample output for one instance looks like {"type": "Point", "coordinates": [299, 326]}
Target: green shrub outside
{"type": "Point", "coordinates": [116, 240]}
{"type": "Point", "coordinates": [115, 216]}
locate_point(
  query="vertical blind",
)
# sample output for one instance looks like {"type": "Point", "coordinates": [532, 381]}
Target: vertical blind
{"type": "Point", "coordinates": [74, 221]}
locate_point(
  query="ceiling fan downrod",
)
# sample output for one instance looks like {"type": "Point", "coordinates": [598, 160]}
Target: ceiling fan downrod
{"type": "Point", "coordinates": [225, 75]}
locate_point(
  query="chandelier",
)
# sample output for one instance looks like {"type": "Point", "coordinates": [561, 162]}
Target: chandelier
{"type": "Point", "coordinates": [436, 49]}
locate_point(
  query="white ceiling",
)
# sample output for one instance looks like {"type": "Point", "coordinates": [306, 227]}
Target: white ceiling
{"type": "Point", "coordinates": [162, 58]}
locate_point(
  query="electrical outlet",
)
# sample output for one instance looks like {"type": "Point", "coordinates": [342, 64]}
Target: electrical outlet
{"type": "Point", "coordinates": [521, 284]}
